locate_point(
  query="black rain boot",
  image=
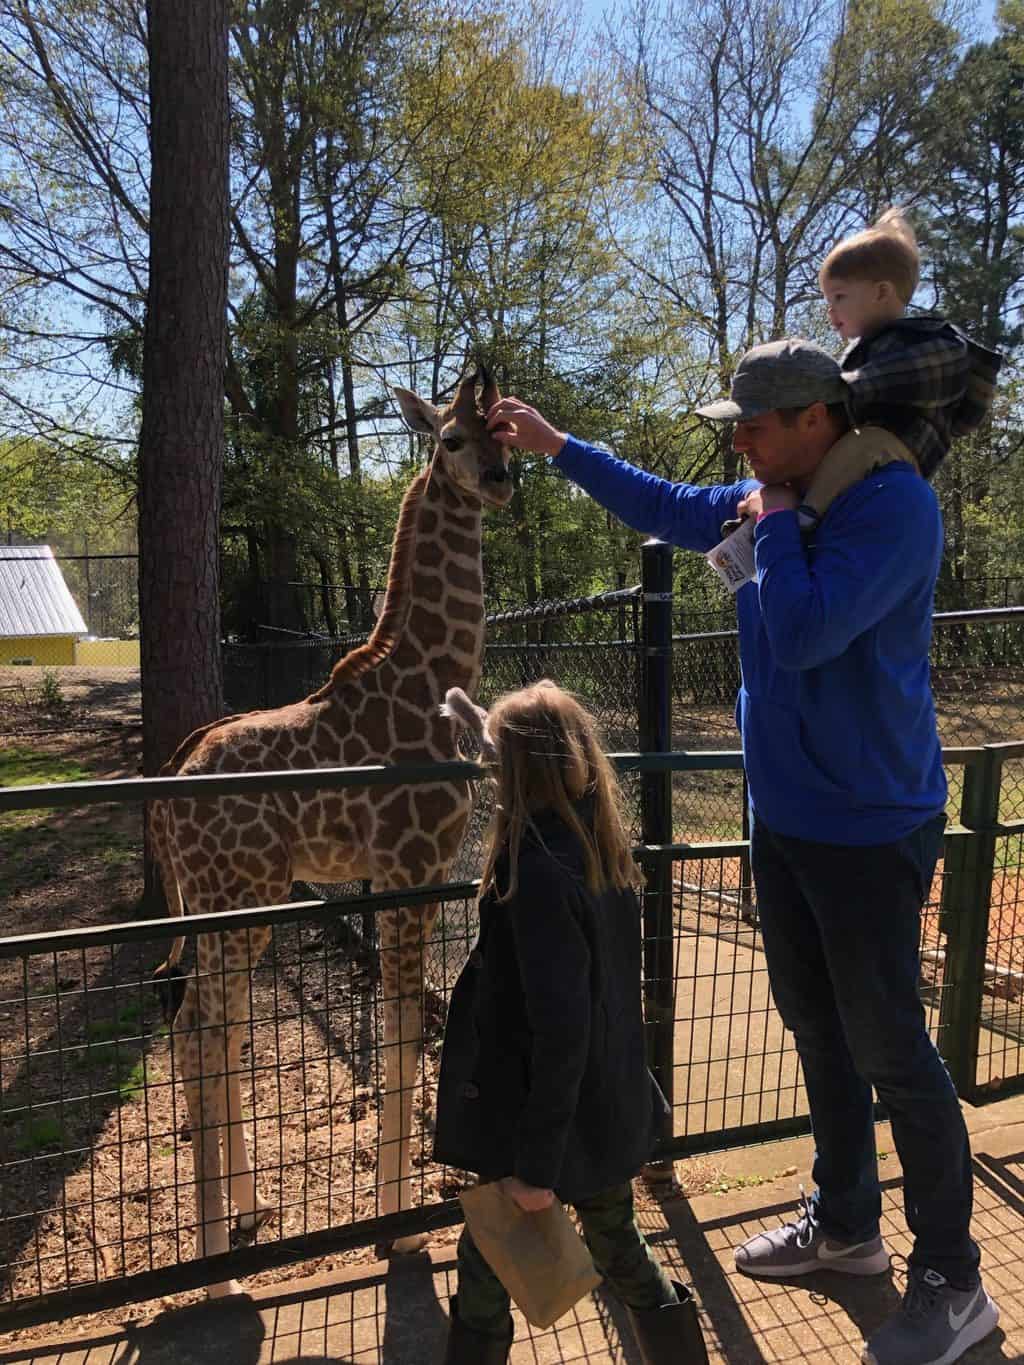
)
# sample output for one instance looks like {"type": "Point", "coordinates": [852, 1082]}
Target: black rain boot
{"type": "Point", "coordinates": [466, 1347]}
{"type": "Point", "coordinates": [670, 1335]}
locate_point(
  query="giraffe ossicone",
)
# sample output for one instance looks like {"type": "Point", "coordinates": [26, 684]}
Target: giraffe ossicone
{"type": "Point", "coordinates": [381, 704]}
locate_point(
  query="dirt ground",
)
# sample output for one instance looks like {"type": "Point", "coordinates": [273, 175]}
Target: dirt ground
{"type": "Point", "coordinates": [104, 698]}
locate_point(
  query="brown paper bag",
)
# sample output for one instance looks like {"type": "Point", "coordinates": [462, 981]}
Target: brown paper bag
{"type": "Point", "coordinates": [540, 1258]}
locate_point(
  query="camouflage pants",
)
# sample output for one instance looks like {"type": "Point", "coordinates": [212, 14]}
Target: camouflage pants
{"type": "Point", "coordinates": [616, 1243]}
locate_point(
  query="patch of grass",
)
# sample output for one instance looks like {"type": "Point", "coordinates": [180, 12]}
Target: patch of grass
{"type": "Point", "coordinates": [119, 857]}
{"type": "Point", "coordinates": [22, 767]}
{"type": "Point", "coordinates": [124, 1026]}
{"type": "Point", "coordinates": [96, 1054]}
{"type": "Point", "coordinates": [38, 1134]}
{"type": "Point", "coordinates": [25, 849]}
{"type": "Point", "coordinates": [133, 1082]}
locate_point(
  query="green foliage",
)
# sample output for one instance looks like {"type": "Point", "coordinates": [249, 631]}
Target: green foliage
{"type": "Point", "coordinates": [38, 1134]}
{"type": "Point", "coordinates": [51, 695]}
{"type": "Point", "coordinates": [132, 1082]}
{"type": "Point", "coordinates": [68, 498]}
{"type": "Point", "coordinates": [413, 185]}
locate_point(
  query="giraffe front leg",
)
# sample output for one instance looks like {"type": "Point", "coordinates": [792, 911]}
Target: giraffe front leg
{"type": "Point", "coordinates": [252, 1209]}
{"type": "Point", "coordinates": [403, 1037]}
{"type": "Point", "coordinates": [202, 1062]}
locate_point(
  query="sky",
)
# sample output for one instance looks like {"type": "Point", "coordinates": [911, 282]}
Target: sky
{"type": "Point", "coordinates": [594, 10]}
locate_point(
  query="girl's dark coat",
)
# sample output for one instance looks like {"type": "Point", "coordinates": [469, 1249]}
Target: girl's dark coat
{"type": "Point", "coordinates": [543, 1073]}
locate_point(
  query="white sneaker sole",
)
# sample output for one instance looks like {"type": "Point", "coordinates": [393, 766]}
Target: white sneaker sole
{"type": "Point", "coordinates": [876, 1264]}
{"type": "Point", "coordinates": [976, 1330]}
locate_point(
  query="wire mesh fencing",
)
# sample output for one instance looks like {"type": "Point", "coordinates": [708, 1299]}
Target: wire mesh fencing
{"type": "Point", "coordinates": [97, 1150]}
{"type": "Point", "coordinates": [1001, 1024]}
{"type": "Point", "coordinates": [736, 1074]}
{"type": "Point", "coordinates": [100, 1100]}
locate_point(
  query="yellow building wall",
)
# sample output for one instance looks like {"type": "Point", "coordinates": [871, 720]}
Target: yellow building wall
{"type": "Point", "coordinates": [41, 650]}
{"type": "Point", "coordinates": [108, 653]}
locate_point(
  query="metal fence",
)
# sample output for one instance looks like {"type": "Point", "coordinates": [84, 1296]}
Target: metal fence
{"type": "Point", "coordinates": [96, 1180]}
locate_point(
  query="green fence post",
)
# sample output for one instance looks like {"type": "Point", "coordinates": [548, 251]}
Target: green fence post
{"type": "Point", "coordinates": [966, 901]}
{"type": "Point", "coordinates": [656, 824]}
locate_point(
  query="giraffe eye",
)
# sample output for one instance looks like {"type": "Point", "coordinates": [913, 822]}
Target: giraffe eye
{"type": "Point", "coordinates": [452, 442]}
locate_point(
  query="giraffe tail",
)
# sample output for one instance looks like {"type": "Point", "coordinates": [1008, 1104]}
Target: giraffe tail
{"type": "Point", "coordinates": [168, 978]}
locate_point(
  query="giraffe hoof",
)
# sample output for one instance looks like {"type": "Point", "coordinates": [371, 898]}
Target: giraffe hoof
{"type": "Point", "coordinates": [408, 1246]}
{"type": "Point", "coordinates": [224, 1290]}
{"type": "Point", "coordinates": [246, 1225]}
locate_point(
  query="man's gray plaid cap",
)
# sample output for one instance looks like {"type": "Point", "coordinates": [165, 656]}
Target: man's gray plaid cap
{"type": "Point", "coordinates": [793, 373]}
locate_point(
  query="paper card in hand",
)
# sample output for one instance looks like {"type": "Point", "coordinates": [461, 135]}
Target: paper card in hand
{"type": "Point", "coordinates": [540, 1258]}
{"type": "Point", "coordinates": [733, 558]}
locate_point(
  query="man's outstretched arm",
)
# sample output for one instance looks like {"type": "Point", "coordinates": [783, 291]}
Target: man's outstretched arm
{"type": "Point", "coordinates": [683, 514]}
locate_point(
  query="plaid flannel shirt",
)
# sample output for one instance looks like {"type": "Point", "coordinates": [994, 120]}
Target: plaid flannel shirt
{"type": "Point", "coordinates": [922, 379]}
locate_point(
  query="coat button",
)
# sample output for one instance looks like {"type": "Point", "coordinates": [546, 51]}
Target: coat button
{"type": "Point", "coordinates": [476, 958]}
{"type": "Point", "coordinates": [468, 1091]}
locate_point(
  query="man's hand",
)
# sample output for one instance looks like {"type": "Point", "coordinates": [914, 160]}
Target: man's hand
{"type": "Point", "coordinates": [529, 1198]}
{"type": "Point", "coordinates": [772, 498]}
{"type": "Point", "coordinates": [514, 423]}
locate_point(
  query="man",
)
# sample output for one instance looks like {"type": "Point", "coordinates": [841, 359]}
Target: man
{"type": "Point", "coordinates": [848, 796]}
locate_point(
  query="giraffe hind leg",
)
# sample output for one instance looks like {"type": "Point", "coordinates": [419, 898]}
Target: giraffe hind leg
{"type": "Point", "coordinates": [251, 1209]}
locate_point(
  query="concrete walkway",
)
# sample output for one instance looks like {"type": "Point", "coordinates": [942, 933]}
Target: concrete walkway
{"type": "Point", "coordinates": [396, 1313]}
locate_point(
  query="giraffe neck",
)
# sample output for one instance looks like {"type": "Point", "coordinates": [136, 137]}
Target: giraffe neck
{"type": "Point", "coordinates": [431, 626]}
{"type": "Point", "coordinates": [444, 630]}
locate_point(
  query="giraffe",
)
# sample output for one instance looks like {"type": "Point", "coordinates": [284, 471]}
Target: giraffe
{"type": "Point", "coordinates": [381, 704]}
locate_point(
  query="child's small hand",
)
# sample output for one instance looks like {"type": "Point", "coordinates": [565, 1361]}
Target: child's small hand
{"type": "Point", "coordinates": [530, 1198]}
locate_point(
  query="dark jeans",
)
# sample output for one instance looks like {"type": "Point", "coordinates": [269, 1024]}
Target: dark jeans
{"type": "Point", "coordinates": [617, 1245]}
{"type": "Point", "coordinates": [841, 929]}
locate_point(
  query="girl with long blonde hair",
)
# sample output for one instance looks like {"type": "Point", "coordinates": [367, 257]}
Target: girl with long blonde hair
{"type": "Point", "coordinates": [544, 1083]}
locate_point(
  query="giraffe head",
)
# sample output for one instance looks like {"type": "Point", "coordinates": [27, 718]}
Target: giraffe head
{"type": "Point", "coordinates": [465, 449]}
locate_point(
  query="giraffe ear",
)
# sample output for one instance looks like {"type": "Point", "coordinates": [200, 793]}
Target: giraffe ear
{"type": "Point", "coordinates": [458, 707]}
{"type": "Point", "coordinates": [417, 413]}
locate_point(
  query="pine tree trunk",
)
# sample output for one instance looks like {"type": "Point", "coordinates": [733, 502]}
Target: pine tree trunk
{"type": "Point", "coordinates": [182, 444]}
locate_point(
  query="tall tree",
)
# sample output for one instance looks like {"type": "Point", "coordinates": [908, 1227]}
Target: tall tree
{"type": "Point", "coordinates": [182, 441]}
{"type": "Point", "coordinates": [515, 264]}
{"type": "Point", "coordinates": [971, 177]}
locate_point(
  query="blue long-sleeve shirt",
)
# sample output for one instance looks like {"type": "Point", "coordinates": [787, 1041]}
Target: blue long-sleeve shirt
{"type": "Point", "coordinates": [835, 707]}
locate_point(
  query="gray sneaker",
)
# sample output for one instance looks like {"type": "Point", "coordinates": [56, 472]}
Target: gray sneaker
{"type": "Point", "coordinates": [801, 1247]}
{"type": "Point", "coordinates": [934, 1325]}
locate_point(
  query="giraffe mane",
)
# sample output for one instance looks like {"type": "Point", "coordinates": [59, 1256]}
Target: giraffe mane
{"type": "Point", "coordinates": [391, 622]}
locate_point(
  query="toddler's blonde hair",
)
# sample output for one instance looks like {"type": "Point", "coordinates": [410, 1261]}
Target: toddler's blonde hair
{"type": "Point", "coordinates": [885, 251]}
{"type": "Point", "coordinates": [549, 758]}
